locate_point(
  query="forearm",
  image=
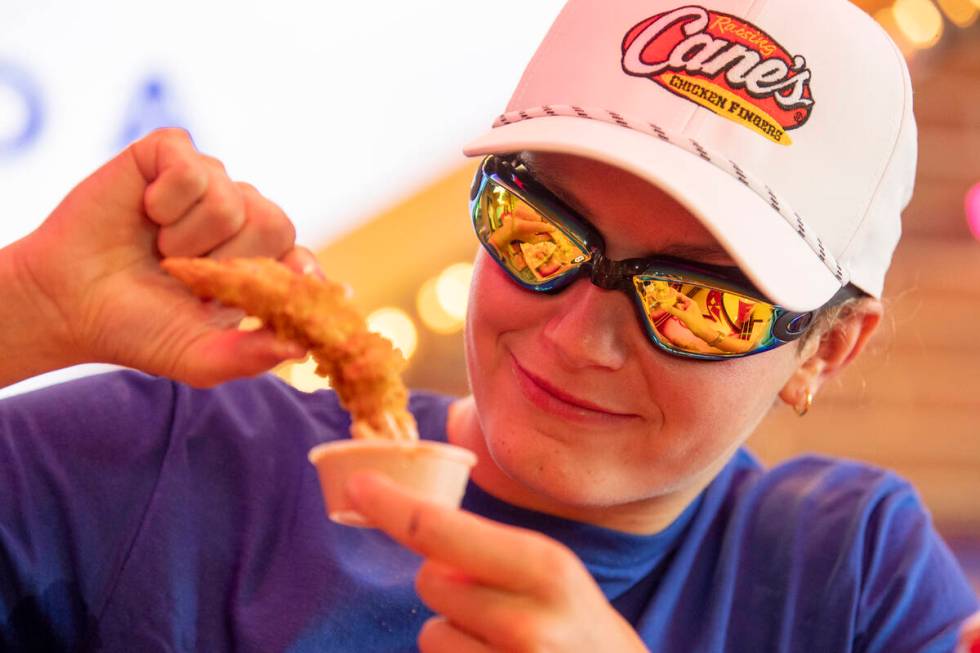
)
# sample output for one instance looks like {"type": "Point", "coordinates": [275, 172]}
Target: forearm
{"type": "Point", "coordinates": [31, 329]}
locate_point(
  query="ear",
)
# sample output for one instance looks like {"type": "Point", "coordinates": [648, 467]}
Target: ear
{"type": "Point", "coordinates": [822, 358]}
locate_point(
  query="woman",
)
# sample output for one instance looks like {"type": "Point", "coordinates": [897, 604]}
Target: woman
{"type": "Point", "coordinates": [612, 508]}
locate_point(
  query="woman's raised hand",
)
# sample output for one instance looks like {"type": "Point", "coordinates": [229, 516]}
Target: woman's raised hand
{"type": "Point", "coordinates": [89, 287]}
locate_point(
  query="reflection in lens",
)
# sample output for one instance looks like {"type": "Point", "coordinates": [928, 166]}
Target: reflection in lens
{"type": "Point", "coordinates": [660, 291]}
{"type": "Point", "coordinates": [531, 247]}
{"type": "Point", "coordinates": [703, 320]}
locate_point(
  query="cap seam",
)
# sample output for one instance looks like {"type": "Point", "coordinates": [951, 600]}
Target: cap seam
{"type": "Point", "coordinates": [557, 28]}
{"type": "Point", "coordinates": [756, 7]}
{"type": "Point", "coordinates": [906, 105]}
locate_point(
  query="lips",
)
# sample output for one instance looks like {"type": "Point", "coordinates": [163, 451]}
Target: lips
{"type": "Point", "coordinates": [555, 400]}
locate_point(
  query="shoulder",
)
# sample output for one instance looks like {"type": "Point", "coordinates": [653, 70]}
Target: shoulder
{"type": "Point", "coordinates": [848, 543]}
{"type": "Point", "coordinates": [267, 406]}
{"type": "Point", "coordinates": [120, 389]}
{"type": "Point", "coordinates": [262, 398]}
{"type": "Point", "coordinates": [827, 489]}
{"type": "Point", "coordinates": [267, 424]}
{"type": "Point", "coordinates": [431, 411]}
{"type": "Point", "coordinates": [806, 511]}
{"type": "Point", "coordinates": [821, 515]}
{"type": "Point", "coordinates": [259, 405]}
{"type": "Point", "coordinates": [120, 408]}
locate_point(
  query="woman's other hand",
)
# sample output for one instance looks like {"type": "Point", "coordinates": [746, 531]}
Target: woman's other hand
{"type": "Point", "coordinates": [494, 587]}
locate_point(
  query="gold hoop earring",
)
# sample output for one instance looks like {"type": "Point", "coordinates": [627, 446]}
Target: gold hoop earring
{"type": "Point", "coordinates": [802, 406]}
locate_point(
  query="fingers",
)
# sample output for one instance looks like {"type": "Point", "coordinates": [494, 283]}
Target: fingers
{"type": "Point", "coordinates": [164, 149]}
{"type": "Point", "coordinates": [216, 218]}
{"type": "Point", "coordinates": [524, 227]}
{"type": "Point", "coordinates": [508, 558]}
{"type": "Point", "coordinates": [177, 176]}
{"type": "Point", "coordinates": [497, 587]}
{"type": "Point", "coordinates": [179, 187]}
{"type": "Point", "coordinates": [266, 231]}
{"type": "Point", "coordinates": [438, 635]}
{"type": "Point", "coordinates": [200, 210]}
{"type": "Point", "coordinates": [488, 614]}
{"type": "Point", "coordinates": [524, 213]}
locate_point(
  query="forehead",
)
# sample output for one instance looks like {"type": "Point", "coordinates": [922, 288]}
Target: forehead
{"type": "Point", "coordinates": [633, 215]}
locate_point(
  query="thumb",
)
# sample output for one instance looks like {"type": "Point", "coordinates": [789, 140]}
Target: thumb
{"type": "Point", "coordinates": [221, 356]}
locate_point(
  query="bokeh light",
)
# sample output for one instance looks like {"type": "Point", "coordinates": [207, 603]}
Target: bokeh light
{"type": "Point", "coordinates": [919, 21]}
{"type": "Point", "coordinates": [431, 311]}
{"type": "Point", "coordinates": [250, 323]}
{"type": "Point", "coordinates": [972, 206]}
{"type": "Point", "coordinates": [303, 376]}
{"type": "Point", "coordinates": [397, 326]}
{"type": "Point", "coordinates": [886, 18]}
{"type": "Point", "coordinates": [453, 289]}
{"type": "Point", "coordinates": [961, 13]}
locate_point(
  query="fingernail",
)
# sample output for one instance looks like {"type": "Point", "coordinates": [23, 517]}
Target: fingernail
{"type": "Point", "coordinates": [312, 269]}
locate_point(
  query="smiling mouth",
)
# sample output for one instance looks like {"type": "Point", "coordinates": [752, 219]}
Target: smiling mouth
{"type": "Point", "coordinates": [554, 400]}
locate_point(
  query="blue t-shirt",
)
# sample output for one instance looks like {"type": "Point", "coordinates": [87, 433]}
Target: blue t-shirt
{"type": "Point", "coordinates": [137, 514]}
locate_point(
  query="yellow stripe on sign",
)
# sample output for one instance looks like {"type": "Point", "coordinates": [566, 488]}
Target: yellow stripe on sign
{"type": "Point", "coordinates": [728, 105]}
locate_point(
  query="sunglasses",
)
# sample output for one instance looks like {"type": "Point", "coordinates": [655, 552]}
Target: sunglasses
{"type": "Point", "coordinates": [687, 309]}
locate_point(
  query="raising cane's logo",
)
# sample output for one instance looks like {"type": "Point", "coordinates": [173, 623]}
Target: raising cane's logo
{"type": "Point", "coordinates": [724, 64]}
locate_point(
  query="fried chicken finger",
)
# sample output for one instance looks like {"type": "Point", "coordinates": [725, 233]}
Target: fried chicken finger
{"type": "Point", "coordinates": [363, 367]}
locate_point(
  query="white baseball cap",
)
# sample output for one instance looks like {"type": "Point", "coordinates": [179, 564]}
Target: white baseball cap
{"type": "Point", "coordinates": [785, 126]}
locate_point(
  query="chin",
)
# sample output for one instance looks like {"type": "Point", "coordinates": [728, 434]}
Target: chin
{"type": "Point", "coordinates": [559, 473]}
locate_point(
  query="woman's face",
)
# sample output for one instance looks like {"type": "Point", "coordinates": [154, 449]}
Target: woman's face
{"type": "Point", "coordinates": [574, 402]}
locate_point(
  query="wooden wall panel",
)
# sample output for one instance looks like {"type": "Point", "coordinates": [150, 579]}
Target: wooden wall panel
{"type": "Point", "coordinates": [948, 152]}
{"type": "Point", "coordinates": [947, 99]}
{"type": "Point", "coordinates": [911, 403]}
{"type": "Point", "coordinates": [936, 210]}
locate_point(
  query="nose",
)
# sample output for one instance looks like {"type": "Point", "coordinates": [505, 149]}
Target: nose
{"type": "Point", "coordinates": [590, 327]}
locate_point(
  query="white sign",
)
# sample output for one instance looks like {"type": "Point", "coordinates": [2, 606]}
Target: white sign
{"type": "Point", "coordinates": [334, 110]}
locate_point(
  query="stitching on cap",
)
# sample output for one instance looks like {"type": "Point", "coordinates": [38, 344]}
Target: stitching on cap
{"type": "Point", "coordinates": [770, 196]}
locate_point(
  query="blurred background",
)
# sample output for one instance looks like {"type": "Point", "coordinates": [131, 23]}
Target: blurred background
{"type": "Point", "coordinates": [351, 116]}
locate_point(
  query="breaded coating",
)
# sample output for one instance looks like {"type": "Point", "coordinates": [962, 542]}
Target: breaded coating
{"type": "Point", "coordinates": [363, 367]}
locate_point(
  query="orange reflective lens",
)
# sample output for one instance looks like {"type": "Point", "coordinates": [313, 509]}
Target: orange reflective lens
{"type": "Point", "coordinates": [693, 318]}
{"type": "Point", "coordinates": [531, 247]}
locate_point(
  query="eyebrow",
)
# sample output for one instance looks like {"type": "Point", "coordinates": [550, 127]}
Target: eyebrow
{"type": "Point", "coordinates": [683, 251]}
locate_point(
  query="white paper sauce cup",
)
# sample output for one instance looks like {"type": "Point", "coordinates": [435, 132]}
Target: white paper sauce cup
{"type": "Point", "coordinates": [435, 471]}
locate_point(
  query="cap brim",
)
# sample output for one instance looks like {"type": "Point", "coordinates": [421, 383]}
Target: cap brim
{"type": "Point", "coordinates": [762, 243]}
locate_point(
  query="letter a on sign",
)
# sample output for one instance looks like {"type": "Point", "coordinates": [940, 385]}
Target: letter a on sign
{"type": "Point", "coordinates": [151, 107]}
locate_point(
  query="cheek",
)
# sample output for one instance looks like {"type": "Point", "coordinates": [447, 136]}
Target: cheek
{"type": "Point", "coordinates": [716, 406]}
{"type": "Point", "coordinates": [490, 315]}
{"type": "Point", "coordinates": [497, 306]}
{"type": "Point", "coordinates": [499, 314]}
{"type": "Point", "coordinates": [487, 318]}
